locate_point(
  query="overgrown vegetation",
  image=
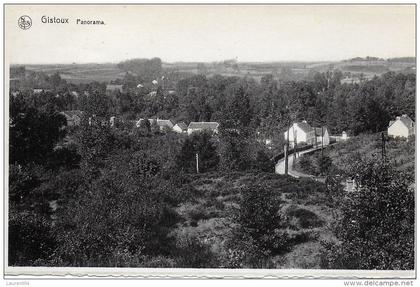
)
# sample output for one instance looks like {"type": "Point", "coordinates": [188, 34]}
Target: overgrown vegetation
{"type": "Point", "coordinates": [125, 196]}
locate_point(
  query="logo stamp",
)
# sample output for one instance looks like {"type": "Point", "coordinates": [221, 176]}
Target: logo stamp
{"type": "Point", "coordinates": [25, 22]}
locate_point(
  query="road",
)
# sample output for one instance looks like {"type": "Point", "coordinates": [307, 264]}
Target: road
{"type": "Point", "coordinates": [279, 169]}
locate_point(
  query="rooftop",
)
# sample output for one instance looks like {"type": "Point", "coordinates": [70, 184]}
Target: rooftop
{"type": "Point", "coordinates": [203, 125]}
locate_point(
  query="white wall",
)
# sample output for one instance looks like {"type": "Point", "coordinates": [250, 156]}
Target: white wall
{"type": "Point", "coordinates": [325, 140]}
{"type": "Point", "coordinates": [398, 129]}
{"type": "Point", "coordinates": [301, 136]}
{"type": "Point", "coordinates": [177, 129]}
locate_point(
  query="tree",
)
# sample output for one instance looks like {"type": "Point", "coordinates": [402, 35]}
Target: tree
{"type": "Point", "coordinates": [31, 240]}
{"type": "Point", "coordinates": [256, 236]}
{"type": "Point", "coordinates": [117, 217]}
{"type": "Point", "coordinates": [203, 145]}
{"type": "Point", "coordinates": [377, 227]}
{"type": "Point", "coordinates": [33, 133]}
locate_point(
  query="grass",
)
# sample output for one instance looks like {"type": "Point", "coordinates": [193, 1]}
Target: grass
{"type": "Point", "coordinates": [303, 205]}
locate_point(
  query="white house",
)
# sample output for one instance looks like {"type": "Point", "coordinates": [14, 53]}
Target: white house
{"type": "Point", "coordinates": [164, 124]}
{"type": "Point", "coordinates": [203, 126]}
{"type": "Point", "coordinates": [180, 127]}
{"type": "Point", "coordinates": [300, 133]}
{"type": "Point", "coordinates": [403, 126]}
{"type": "Point", "coordinates": [322, 136]}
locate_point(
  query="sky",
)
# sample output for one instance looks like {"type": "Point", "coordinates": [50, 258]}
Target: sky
{"type": "Point", "coordinates": [205, 33]}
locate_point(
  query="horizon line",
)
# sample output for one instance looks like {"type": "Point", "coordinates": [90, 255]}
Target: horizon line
{"type": "Point", "coordinates": [208, 62]}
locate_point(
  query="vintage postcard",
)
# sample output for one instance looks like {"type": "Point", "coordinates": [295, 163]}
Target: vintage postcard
{"type": "Point", "coordinates": [210, 141]}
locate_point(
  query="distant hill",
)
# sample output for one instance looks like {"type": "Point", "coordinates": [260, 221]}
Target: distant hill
{"type": "Point", "coordinates": [370, 66]}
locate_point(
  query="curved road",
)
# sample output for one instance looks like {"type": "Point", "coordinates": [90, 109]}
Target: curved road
{"type": "Point", "coordinates": [280, 166]}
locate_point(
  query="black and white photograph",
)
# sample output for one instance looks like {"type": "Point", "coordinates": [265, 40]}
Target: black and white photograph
{"type": "Point", "coordinates": [230, 139]}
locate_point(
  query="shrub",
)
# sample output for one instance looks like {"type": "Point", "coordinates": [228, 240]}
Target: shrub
{"type": "Point", "coordinates": [191, 253]}
{"type": "Point", "coordinates": [30, 239]}
{"type": "Point", "coordinates": [307, 219]}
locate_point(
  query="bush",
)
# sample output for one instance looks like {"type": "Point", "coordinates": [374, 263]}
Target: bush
{"type": "Point", "coordinates": [255, 237]}
{"type": "Point", "coordinates": [376, 230]}
{"type": "Point", "coordinates": [30, 239]}
{"type": "Point", "coordinates": [307, 219]}
{"type": "Point", "coordinates": [191, 253]}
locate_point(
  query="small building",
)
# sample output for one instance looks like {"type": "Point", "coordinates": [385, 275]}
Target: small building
{"type": "Point", "coordinates": [203, 126]}
{"type": "Point", "coordinates": [350, 80]}
{"type": "Point", "coordinates": [73, 117]}
{"type": "Point", "coordinates": [403, 126]}
{"type": "Point", "coordinates": [164, 125]}
{"type": "Point", "coordinates": [152, 94]}
{"type": "Point", "coordinates": [322, 136]}
{"type": "Point", "coordinates": [300, 132]}
{"type": "Point", "coordinates": [39, 91]}
{"type": "Point", "coordinates": [113, 121]}
{"type": "Point", "coordinates": [114, 88]}
{"type": "Point", "coordinates": [180, 127]}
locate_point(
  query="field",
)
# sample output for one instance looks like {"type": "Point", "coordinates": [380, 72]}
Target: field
{"type": "Point", "coordinates": [308, 215]}
{"type": "Point", "coordinates": [81, 73]}
{"type": "Point", "coordinates": [84, 73]}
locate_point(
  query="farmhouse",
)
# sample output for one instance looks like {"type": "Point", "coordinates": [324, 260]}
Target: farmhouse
{"type": "Point", "coordinates": [203, 126]}
{"type": "Point", "coordinates": [300, 133]}
{"type": "Point", "coordinates": [403, 126]}
{"type": "Point", "coordinates": [180, 127]}
{"type": "Point", "coordinates": [73, 117]}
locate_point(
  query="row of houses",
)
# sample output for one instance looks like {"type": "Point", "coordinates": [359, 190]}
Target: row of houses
{"type": "Point", "coordinates": [181, 127]}
{"type": "Point", "coordinates": [74, 118]}
{"type": "Point", "coordinates": [303, 133]}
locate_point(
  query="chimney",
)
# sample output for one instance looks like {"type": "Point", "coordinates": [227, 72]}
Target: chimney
{"type": "Point", "coordinates": [398, 118]}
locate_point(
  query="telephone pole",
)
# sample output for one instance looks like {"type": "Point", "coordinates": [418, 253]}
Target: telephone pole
{"type": "Point", "coordinates": [286, 155]}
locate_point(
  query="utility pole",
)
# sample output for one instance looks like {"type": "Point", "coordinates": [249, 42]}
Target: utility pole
{"type": "Point", "coordinates": [196, 162]}
{"type": "Point", "coordinates": [286, 155]}
{"type": "Point", "coordinates": [286, 152]}
{"type": "Point", "coordinates": [322, 142]}
{"type": "Point", "coordinates": [294, 147]}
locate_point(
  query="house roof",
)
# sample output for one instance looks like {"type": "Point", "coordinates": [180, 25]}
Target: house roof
{"type": "Point", "coordinates": [164, 123]}
{"type": "Point", "coordinates": [182, 125]}
{"type": "Point", "coordinates": [406, 120]}
{"type": "Point", "coordinates": [203, 125]}
{"type": "Point", "coordinates": [304, 126]}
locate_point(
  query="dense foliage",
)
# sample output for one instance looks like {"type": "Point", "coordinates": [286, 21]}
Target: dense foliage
{"type": "Point", "coordinates": [120, 195]}
{"type": "Point", "coordinates": [376, 230]}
